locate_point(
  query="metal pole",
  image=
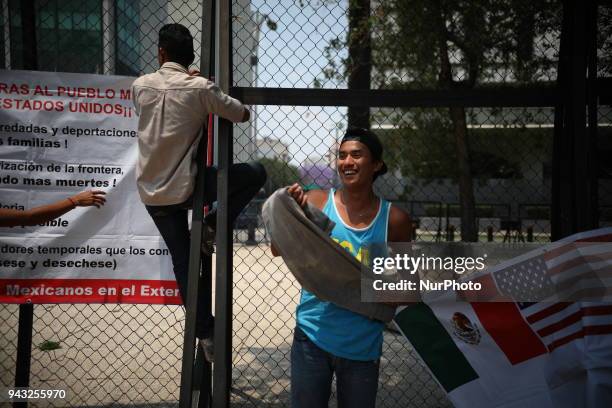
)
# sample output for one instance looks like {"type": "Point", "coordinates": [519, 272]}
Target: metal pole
{"type": "Point", "coordinates": [199, 394]}
{"type": "Point", "coordinates": [561, 160]}
{"type": "Point", "coordinates": [258, 20]}
{"type": "Point", "coordinates": [223, 289]}
{"type": "Point", "coordinates": [203, 373]}
{"type": "Point", "coordinates": [26, 311]}
{"type": "Point", "coordinates": [109, 23]}
{"type": "Point", "coordinates": [223, 292]}
{"type": "Point", "coordinates": [581, 191]}
{"type": "Point", "coordinates": [24, 349]}
{"type": "Point", "coordinates": [592, 115]}
{"type": "Point", "coordinates": [6, 20]}
{"type": "Point", "coordinates": [185, 399]}
{"type": "Point", "coordinates": [28, 24]}
{"type": "Point", "coordinates": [207, 54]}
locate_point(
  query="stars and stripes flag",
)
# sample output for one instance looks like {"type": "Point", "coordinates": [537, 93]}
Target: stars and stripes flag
{"type": "Point", "coordinates": [560, 323]}
{"type": "Point", "coordinates": [539, 333]}
{"type": "Point", "coordinates": [563, 292]}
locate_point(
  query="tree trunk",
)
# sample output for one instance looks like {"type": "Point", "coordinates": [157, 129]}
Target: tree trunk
{"type": "Point", "coordinates": [525, 34]}
{"type": "Point", "coordinates": [28, 24]}
{"type": "Point", "coordinates": [469, 230]}
{"type": "Point", "coordinates": [359, 66]}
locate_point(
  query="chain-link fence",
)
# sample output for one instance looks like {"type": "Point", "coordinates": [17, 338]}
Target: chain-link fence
{"type": "Point", "coordinates": [306, 45]}
{"type": "Point", "coordinates": [604, 117]}
{"type": "Point", "coordinates": [121, 354]}
{"type": "Point", "coordinates": [102, 355]}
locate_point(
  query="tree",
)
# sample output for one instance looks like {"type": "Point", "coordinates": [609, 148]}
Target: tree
{"type": "Point", "coordinates": [280, 174]}
{"type": "Point", "coordinates": [359, 62]}
{"type": "Point", "coordinates": [356, 68]}
{"type": "Point", "coordinates": [454, 44]}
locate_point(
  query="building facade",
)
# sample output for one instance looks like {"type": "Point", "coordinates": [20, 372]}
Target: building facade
{"type": "Point", "coordinates": [119, 37]}
{"type": "Point", "coordinates": [270, 148]}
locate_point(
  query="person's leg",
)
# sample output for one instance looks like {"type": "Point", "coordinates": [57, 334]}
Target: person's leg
{"type": "Point", "coordinates": [171, 221]}
{"type": "Point", "coordinates": [356, 383]}
{"type": "Point", "coordinates": [245, 181]}
{"type": "Point", "coordinates": [311, 373]}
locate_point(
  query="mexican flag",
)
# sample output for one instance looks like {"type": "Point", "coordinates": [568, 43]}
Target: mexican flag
{"type": "Point", "coordinates": [501, 353]}
{"type": "Point", "coordinates": [482, 355]}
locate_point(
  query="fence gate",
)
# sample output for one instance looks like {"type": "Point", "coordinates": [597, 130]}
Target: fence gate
{"type": "Point", "coordinates": [483, 136]}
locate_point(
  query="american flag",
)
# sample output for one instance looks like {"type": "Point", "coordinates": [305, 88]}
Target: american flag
{"type": "Point", "coordinates": [560, 323]}
{"type": "Point", "coordinates": [525, 281]}
{"type": "Point", "coordinates": [570, 283]}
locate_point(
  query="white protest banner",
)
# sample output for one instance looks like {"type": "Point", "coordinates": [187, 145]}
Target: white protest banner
{"type": "Point", "coordinates": [61, 134]}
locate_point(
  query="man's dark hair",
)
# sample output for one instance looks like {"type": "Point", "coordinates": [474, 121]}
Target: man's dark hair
{"type": "Point", "coordinates": [372, 142]}
{"type": "Point", "coordinates": [177, 41]}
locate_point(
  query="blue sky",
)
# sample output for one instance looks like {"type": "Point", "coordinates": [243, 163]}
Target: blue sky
{"type": "Point", "coordinates": [292, 57]}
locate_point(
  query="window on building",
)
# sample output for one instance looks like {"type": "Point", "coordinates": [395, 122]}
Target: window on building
{"type": "Point", "coordinates": [68, 35]}
{"type": "Point", "coordinates": [128, 43]}
{"type": "Point", "coordinates": [2, 39]}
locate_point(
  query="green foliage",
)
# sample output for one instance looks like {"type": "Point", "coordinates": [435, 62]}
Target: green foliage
{"type": "Point", "coordinates": [280, 174]}
{"type": "Point", "coordinates": [604, 41]}
{"type": "Point", "coordinates": [538, 213]}
{"type": "Point", "coordinates": [488, 42]}
{"type": "Point", "coordinates": [49, 345]}
{"type": "Point", "coordinates": [482, 211]}
{"type": "Point", "coordinates": [272, 25]}
{"type": "Point", "coordinates": [427, 152]}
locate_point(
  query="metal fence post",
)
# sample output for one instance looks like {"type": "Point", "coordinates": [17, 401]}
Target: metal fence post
{"type": "Point", "coordinates": [259, 363]}
{"type": "Point", "coordinates": [223, 289]}
{"type": "Point", "coordinates": [24, 349]}
{"type": "Point", "coordinates": [573, 186]}
{"type": "Point", "coordinates": [195, 386]}
{"type": "Point", "coordinates": [203, 375]}
{"type": "Point", "coordinates": [26, 311]}
{"type": "Point", "coordinates": [109, 25]}
{"type": "Point", "coordinates": [6, 21]}
{"type": "Point", "coordinates": [195, 257]}
{"type": "Point", "coordinates": [577, 103]}
{"type": "Point", "coordinates": [593, 107]}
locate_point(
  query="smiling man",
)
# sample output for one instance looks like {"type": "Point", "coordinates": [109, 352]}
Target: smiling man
{"type": "Point", "coordinates": [329, 339]}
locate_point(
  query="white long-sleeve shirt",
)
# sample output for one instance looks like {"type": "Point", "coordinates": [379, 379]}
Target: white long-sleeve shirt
{"type": "Point", "coordinates": [172, 107]}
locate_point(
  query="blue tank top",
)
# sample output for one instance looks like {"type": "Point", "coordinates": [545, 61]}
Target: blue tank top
{"type": "Point", "coordinates": [332, 328]}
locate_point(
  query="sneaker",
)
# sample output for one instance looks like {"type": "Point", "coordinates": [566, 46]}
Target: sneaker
{"type": "Point", "coordinates": [208, 240]}
{"type": "Point", "coordinates": [208, 346]}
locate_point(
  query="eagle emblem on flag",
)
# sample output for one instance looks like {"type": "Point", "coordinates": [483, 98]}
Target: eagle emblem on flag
{"type": "Point", "coordinates": [464, 329]}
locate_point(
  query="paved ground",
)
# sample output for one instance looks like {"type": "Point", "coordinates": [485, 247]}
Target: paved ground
{"type": "Point", "coordinates": [130, 355]}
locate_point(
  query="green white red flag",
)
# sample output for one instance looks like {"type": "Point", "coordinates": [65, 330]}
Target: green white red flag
{"type": "Point", "coordinates": [517, 354]}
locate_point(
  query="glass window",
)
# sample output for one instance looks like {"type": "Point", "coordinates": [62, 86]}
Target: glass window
{"type": "Point", "coordinates": [16, 33]}
{"type": "Point", "coordinates": [68, 35]}
{"type": "Point", "coordinates": [46, 19]}
{"type": "Point", "coordinates": [65, 21]}
{"type": "Point", "coordinates": [2, 53]}
{"type": "Point", "coordinates": [128, 37]}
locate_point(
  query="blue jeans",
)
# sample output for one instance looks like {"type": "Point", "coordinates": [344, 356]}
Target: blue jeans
{"type": "Point", "coordinates": [312, 370]}
{"type": "Point", "coordinates": [245, 181]}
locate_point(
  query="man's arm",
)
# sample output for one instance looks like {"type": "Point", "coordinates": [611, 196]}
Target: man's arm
{"type": "Point", "coordinates": [39, 215]}
{"type": "Point", "coordinates": [247, 115]}
{"type": "Point", "coordinates": [316, 198]}
{"type": "Point", "coordinates": [400, 226]}
{"type": "Point", "coordinates": [400, 230]}
{"type": "Point", "coordinates": [218, 103]}
{"type": "Point", "coordinates": [135, 99]}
